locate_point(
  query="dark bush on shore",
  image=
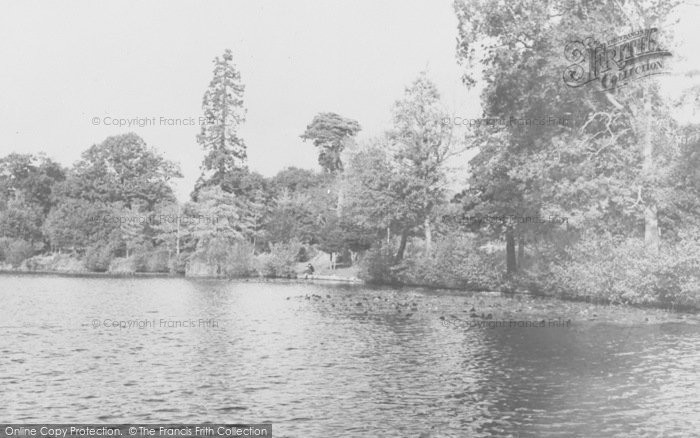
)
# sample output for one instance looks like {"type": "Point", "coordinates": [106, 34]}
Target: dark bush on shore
{"type": "Point", "coordinates": [98, 257]}
{"type": "Point", "coordinates": [281, 260]}
{"type": "Point", "coordinates": [14, 251]}
{"type": "Point", "coordinates": [455, 262]}
{"type": "Point", "coordinates": [223, 258]}
{"type": "Point", "coordinates": [377, 266]}
{"type": "Point", "coordinates": [152, 261]}
{"type": "Point", "coordinates": [623, 272]}
{"type": "Point", "coordinates": [178, 263]}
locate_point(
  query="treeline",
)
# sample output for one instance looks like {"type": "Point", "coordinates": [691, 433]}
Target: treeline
{"type": "Point", "coordinates": [115, 211]}
{"type": "Point", "coordinates": [605, 210]}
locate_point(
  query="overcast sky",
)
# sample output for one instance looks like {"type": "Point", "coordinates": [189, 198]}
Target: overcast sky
{"type": "Point", "coordinates": [62, 64]}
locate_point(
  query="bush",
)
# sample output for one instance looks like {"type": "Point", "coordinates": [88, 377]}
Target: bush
{"type": "Point", "coordinates": [98, 257]}
{"type": "Point", "coordinates": [456, 261]}
{"type": "Point", "coordinates": [623, 272]}
{"type": "Point", "coordinates": [306, 253]}
{"type": "Point", "coordinates": [377, 266]}
{"type": "Point", "coordinates": [123, 265]}
{"type": "Point", "coordinates": [224, 258]}
{"type": "Point", "coordinates": [240, 260]}
{"type": "Point", "coordinates": [15, 251]}
{"type": "Point", "coordinates": [152, 261]}
{"type": "Point", "coordinates": [178, 263]}
{"type": "Point", "coordinates": [281, 260]}
{"type": "Point", "coordinates": [53, 262]}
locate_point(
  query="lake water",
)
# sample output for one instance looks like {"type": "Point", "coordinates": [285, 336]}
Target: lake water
{"type": "Point", "coordinates": [339, 361]}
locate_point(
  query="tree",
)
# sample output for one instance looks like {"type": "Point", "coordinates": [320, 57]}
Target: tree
{"type": "Point", "coordinates": [291, 217]}
{"type": "Point", "coordinates": [595, 174]}
{"type": "Point", "coordinates": [376, 197]}
{"type": "Point", "coordinates": [76, 224]}
{"type": "Point", "coordinates": [113, 186]}
{"type": "Point", "coordinates": [223, 113]}
{"type": "Point", "coordinates": [29, 177]}
{"type": "Point", "coordinates": [331, 133]}
{"type": "Point", "coordinates": [421, 143]}
{"type": "Point", "coordinates": [219, 216]}
{"type": "Point", "coordinates": [22, 220]}
{"type": "Point", "coordinates": [293, 179]}
{"type": "Point", "coordinates": [122, 169]}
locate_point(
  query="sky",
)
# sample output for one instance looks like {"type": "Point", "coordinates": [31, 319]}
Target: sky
{"type": "Point", "coordinates": [68, 69]}
{"type": "Point", "coordinates": [65, 63]}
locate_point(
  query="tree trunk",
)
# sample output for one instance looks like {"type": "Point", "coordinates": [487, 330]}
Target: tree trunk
{"type": "Point", "coordinates": [651, 220]}
{"type": "Point", "coordinates": [177, 238]}
{"type": "Point", "coordinates": [651, 229]}
{"type": "Point", "coordinates": [402, 245]}
{"type": "Point", "coordinates": [521, 252]}
{"type": "Point", "coordinates": [339, 204]}
{"type": "Point", "coordinates": [428, 237]}
{"type": "Point", "coordinates": [511, 267]}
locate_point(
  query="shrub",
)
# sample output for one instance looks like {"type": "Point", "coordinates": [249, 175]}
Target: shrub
{"type": "Point", "coordinates": [456, 261]}
{"type": "Point", "coordinates": [178, 263]}
{"type": "Point", "coordinates": [240, 260]}
{"type": "Point", "coordinates": [224, 257]}
{"type": "Point", "coordinates": [281, 260]}
{"type": "Point", "coordinates": [123, 265]}
{"type": "Point", "coordinates": [15, 251]}
{"type": "Point", "coordinates": [377, 266]}
{"type": "Point", "coordinates": [98, 257]}
{"type": "Point", "coordinates": [154, 261]}
{"type": "Point", "coordinates": [53, 262]}
{"type": "Point", "coordinates": [623, 272]}
{"type": "Point", "coordinates": [306, 253]}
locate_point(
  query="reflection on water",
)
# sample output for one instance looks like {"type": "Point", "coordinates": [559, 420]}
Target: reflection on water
{"type": "Point", "coordinates": [321, 360]}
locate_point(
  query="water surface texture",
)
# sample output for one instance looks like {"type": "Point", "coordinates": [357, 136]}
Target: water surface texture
{"type": "Point", "coordinates": [322, 360]}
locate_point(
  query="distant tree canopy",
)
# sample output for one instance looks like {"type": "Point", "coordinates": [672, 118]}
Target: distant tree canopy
{"type": "Point", "coordinates": [122, 169]}
{"type": "Point", "coordinates": [120, 177]}
{"type": "Point", "coordinates": [30, 178]}
{"type": "Point", "coordinates": [331, 133]}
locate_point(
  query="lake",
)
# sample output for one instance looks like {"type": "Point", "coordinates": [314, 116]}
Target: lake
{"type": "Point", "coordinates": [322, 360]}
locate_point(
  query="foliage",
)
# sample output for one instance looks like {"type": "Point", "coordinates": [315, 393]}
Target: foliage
{"type": "Point", "coordinates": [292, 180]}
{"type": "Point", "coordinates": [15, 251]}
{"type": "Point", "coordinates": [230, 258]}
{"type": "Point", "coordinates": [178, 263]}
{"type": "Point", "coordinates": [76, 224]}
{"type": "Point", "coordinates": [31, 178]}
{"type": "Point", "coordinates": [122, 169]}
{"type": "Point", "coordinates": [621, 271]}
{"type": "Point", "coordinates": [241, 260]}
{"type": "Point", "coordinates": [376, 266]}
{"type": "Point", "coordinates": [22, 220]}
{"type": "Point", "coordinates": [223, 113]}
{"type": "Point", "coordinates": [281, 260]}
{"type": "Point", "coordinates": [151, 261]}
{"type": "Point", "coordinates": [331, 134]}
{"type": "Point", "coordinates": [220, 217]}
{"type": "Point", "coordinates": [291, 218]}
{"type": "Point", "coordinates": [98, 256]}
{"type": "Point", "coordinates": [456, 262]}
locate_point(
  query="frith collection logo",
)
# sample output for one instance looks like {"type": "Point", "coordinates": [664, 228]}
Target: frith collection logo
{"type": "Point", "coordinates": [615, 62]}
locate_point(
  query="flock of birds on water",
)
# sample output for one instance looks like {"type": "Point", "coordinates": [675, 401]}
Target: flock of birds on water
{"type": "Point", "coordinates": [402, 306]}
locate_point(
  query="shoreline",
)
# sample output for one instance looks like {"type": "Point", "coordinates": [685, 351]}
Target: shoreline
{"type": "Point", "coordinates": [688, 309]}
{"type": "Point", "coordinates": [90, 274]}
